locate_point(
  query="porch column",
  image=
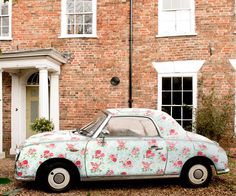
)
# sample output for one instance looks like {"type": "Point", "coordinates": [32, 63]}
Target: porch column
{"type": "Point", "coordinates": [43, 93]}
{"type": "Point", "coordinates": [54, 100]}
{"type": "Point", "coordinates": [2, 154]}
{"type": "Point", "coordinates": [15, 112]}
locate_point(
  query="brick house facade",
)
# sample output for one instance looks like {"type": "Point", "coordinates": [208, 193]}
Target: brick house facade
{"type": "Point", "coordinates": [187, 43]}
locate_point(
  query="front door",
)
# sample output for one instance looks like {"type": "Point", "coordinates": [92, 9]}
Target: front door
{"type": "Point", "coordinates": [131, 147]}
{"type": "Point", "coordinates": [32, 107]}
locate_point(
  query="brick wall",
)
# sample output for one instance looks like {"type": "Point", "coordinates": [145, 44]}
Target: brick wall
{"type": "Point", "coordinates": [85, 80]}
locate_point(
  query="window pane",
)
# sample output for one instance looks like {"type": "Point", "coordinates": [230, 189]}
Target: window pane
{"type": "Point", "coordinates": [88, 29]}
{"type": "Point", "coordinates": [187, 83]}
{"type": "Point", "coordinates": [71, 20]}
{"type": "Point", "coordinates": [188, 98]}
{"type": "Point", "coordinates": [70, 29]}
{"type": "Point", "coordinates": [78, 6]}
{"type": "Point", "coordinates": [70, 6]}
{"type": "Point", "coordinates": [166, 83]}
{"type": "Point", "coordinates": [166, 4]}
{"type": "Point", "coordinates": [177, 98]}
{"type": "Point", "coordinates": [187, 125]}
{"type": "Point", "coordinates": [5, 9]}
{"type": "Point", "coordinates": [177, 83]}
{"type": "Point", "coordinates": [187, 112]}
{"type": "Point", "coordinates": [183, 21]}
{"type": "Point", "coordinates": [185, 4]}
{"type": "Point", "coordinates": [167, 22]}
{"type": "Point", "coordinates": [79, 29]}
{"type": "Point", "coordinates": [5, 31]}
{"type": "Point", "coordinates": [79, 19]}
{"type": "Point", "coordinates": [176, 4]}
{"type": "Point", "coordinates": [166, 98]}
{"type": "Point", "coordinates": [176, 112]}
{"type": "Point", "coordinates": [5, 21]}
{"type": "Point", "coordinates": [88, 18]}
{"type": "Point", "coordinates": [166, 109]}
{"type": "Point", "coordinates": [87, 6]}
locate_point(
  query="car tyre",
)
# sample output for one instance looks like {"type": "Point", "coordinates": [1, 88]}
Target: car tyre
{"type": "Point", "coordinates": [196, 175]}
{"type": "Point", "coordinates": [56, 177]}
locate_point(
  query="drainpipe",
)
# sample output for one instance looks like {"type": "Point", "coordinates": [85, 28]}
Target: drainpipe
{"type": "Point", "coordinates": [130, 54]}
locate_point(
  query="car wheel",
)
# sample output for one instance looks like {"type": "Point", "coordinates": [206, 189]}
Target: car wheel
{"type": "Point", "coordinates": [197, 175]}
{"type": "Point", "coordinates": [56, 177]}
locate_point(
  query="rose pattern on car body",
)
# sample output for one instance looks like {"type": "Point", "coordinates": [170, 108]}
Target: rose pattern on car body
{"type": "Point", "coordinates": [164, 154]}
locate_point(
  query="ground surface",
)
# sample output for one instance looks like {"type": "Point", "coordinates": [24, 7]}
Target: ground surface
{"type": "Point", "coordinates": [221, 185]}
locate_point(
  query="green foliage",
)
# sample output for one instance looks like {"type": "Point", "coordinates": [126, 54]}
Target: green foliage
{"type": "Point", "coordinates": [214, 116]}
{"type": "Point", "coordinates": [42, 125]}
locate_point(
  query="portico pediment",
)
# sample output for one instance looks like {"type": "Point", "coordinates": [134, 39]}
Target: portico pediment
{"type": "Point", "coordinates": [41, 58]}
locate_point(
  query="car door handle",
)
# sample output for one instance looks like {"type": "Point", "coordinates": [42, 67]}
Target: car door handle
{"type": "Point", "coordinates": [156, 148]}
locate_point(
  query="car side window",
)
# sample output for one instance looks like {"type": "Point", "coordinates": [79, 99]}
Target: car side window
{"type": "Point", "coordinates": [130, 127]}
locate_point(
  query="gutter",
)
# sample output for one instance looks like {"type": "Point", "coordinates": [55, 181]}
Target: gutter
{"type": "Point", "coordinates": [131, 55]}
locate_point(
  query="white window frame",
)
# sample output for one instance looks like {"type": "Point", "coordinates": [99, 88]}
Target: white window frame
{"type": "Point", "coordinates": [192, 32]}
{"type": "Point", "coordinates": [178, 69]}
{"type": "Point", "coordinates": [9, 37]}
{"type": "Point", "coordinates": [64, 33]}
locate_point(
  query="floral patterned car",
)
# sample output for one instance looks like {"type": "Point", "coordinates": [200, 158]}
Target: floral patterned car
{"type": "Point", "coordinates": [120, 144]}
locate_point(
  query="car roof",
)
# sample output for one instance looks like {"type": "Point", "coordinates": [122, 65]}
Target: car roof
{"type": "Point", "coordinates": [133, 112]}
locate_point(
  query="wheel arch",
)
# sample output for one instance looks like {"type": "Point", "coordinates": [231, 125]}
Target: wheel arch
{"type": "Point", "coordinates": [72, 166]}
{"type": "Point", "coordinates": [197, 159]}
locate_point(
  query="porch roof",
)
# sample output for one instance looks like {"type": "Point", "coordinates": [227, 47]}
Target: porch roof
{"type": "Point", "coordinates": [39, 58]}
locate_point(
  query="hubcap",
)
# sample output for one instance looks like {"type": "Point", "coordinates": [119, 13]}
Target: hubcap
{"type": "Point", "coordinates": [198, 174]}
{"type": "Point", "coordinates": [59, 178]}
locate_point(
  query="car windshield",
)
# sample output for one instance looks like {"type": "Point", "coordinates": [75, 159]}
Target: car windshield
{"type": "Point", "coordinates": [92, 127]}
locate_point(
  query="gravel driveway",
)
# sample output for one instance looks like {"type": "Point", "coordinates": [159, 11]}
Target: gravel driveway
{"type": "Point", "coordinates": [220, 185]}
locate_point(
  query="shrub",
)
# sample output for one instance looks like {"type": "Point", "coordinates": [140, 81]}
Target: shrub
{"type": "Point", "coordinates": [42, 125]}
{"type": "Point", "coordinates": [214, 116]}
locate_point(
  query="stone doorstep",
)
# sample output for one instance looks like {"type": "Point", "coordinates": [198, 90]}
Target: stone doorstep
{"type": "Point", "coordinates": [232, 152]}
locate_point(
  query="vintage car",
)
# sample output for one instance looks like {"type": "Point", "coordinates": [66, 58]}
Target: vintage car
{"type": "Point", "coordinates": [120, 144]}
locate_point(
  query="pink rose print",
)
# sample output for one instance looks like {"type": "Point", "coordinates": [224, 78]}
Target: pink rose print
{"type": "Point", "coordinates": [173, 132]}
{"type": "Point", "coordinates": [40, 162]}
{"type": "Point", "coordinates": [149, 154]}
{"type": "Point", "coordinates": [149, 113]}
{"type": "Point", "coordinates": [226, 165]}
{"type": "Point", "coordinates": [128, 164]}
{"type": "Point", "coordinates": [61, 156]}
{"type": "Point", "coordinates": [202, 146]}
{"type": "Point", "coordinates": [152, 142]}
{"type": "Point", "coordinates": [110, 173]}
{"type": "Point", "coordinates": [215, 159]}
{"type": "Point", "coordinates": [23, 164]}
{"type": "Point", "coordinates": [135, 152]}
{"type": "Point", "coordinates": [146, 165]}
{"type": "Point", "coordinates": [51, 145]}
{"type": "Point", "coordinates": [121, 145]}
{"type": "Point", "coordinates": [19, 173]}
{"type": "Point", "coordinates": [123, 173]}
{"type": "Point", "coordinates": [113, 158]}
{"type": "Point", "coordinates": [163, 157]}
{"type": "Point", "coordinates": [101, 142]}
{"type": "Point", "coordinates": [75, 138]}
{"type": "Point", "coordinates": [163, 117]}
{"type": "Point", "coordinates": [186, 151]}
{"type": "Point", "coordinates": [47, 154]}
{"type": "Point", "coordinates": [160, 171]}
{"type": "Point", "coordinates": [32, 152]}
{"type": "Point", "coordinates": [200, 153]}
{"type": "Point", "coordinates": [161, 129]}
{"type": "Point", "coordinates": [99, 154]}
{"type": "Point", "coordinates": [95, 166]}
{"type": "Point", "coordinates": [71, 148]}
{"type": "Point", "coordinates": [83, 151]}
{"type": "Point", "coordinates": [171, 145]}
{"type": "Point", "coordinates": [78, 164]}
{"type": "Point", "coordinates": [178, 163]}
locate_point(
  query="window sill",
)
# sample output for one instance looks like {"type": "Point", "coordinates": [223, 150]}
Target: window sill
{"type": "Point", "coordinates": [6, 39]}
{"type": "Point", "coordinates": [77, 36]}
{"type": "Point", "coordinates": [176, 35]}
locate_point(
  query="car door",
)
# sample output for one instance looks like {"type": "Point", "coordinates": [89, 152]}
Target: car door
{"type": "Point", "coordinates": [128, 146]}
